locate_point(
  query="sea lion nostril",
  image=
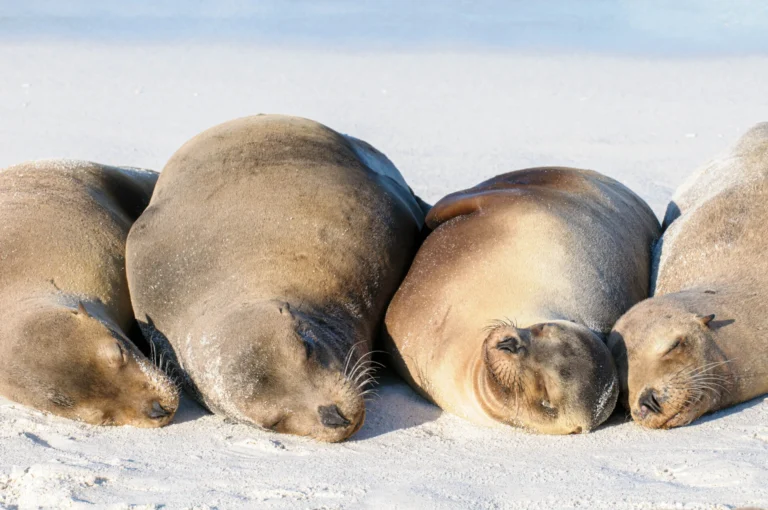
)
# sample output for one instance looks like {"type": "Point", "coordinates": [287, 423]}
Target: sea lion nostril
{"type": "Point", "coordinates": [510, 345]}
{"type": "Point", "coordinates": [331, 416]}
{"type": "Point", "coordinates": [650, 401]}
{"type": "Point", "coordinates": [158, 411]}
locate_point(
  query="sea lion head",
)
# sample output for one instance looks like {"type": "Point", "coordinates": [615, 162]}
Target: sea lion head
{"type": "Point", "coordinates": [670, 369]}
{"type": "Point", "coordinates": [85, 368]}
{"type": "Point", "coordinates": [555, 378]}
{"type": "Point", "coordinates": [285, 370]}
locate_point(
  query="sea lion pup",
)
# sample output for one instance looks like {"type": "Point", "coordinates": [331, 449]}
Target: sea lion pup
{"type": "Point", "coordinates": [264, 264]}
{"type": "Point", "coordinates": [501, 314]}
{"type": "Point", "coordinates": [64, 304]}
{"type": "Point", "coordinates": [699, 344]}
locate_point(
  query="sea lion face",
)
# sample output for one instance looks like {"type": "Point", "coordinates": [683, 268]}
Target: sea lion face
{"type": "Point", "coordinates": [286, 374]}
{"type": "Point", "coordinates": [670, 369]}
{"type": "Point", "coordinates": [94, 373]}
{"type": "Point", "coordinates": [553, 378]}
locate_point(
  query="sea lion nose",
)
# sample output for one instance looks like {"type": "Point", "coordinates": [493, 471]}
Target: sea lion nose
{"type": "Point", "coordinates": [331, 416]}
{"type": "Point", "coordinates": [157, 411]}
{"type": "Point", "coordinates": [511, 343]}
{"type": "Point", "coordinates": [649, 403]}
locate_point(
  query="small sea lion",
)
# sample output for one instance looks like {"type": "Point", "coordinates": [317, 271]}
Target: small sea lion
{"type": "Point", "coordinates": [501, 316]}
{"type": "Point", "coordinates": [64, 304]}
{"type": "Point", "coordinates": [699, 344]}
{"type": "Point", "coordinates": [264, 264]}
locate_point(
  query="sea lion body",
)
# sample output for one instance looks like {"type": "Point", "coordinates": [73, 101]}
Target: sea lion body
{"type": "Point", "coordinates": [264, 264]}
{"type": "Point", "coordinates": [499, 317]}
{"type": "Point", "coordinates": [64, 304]}
{"type": "Point", "coordinates": [676, 361]}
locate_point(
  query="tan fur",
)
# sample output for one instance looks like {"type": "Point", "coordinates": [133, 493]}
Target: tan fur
{"type": "Point", "coordinates": [711, 260]}
{"type": "Point", "coordinates": [516, 259]}
{"type": "Point", "coordinates": [264, 265]}
{"type": "Point", "coordinates": [64, 303]}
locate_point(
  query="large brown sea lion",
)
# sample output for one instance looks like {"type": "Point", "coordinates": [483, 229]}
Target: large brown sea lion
{"type": "Point", "coordinates": [64, 304]}
{"type": "Point", "coordinates": [501, 315]}
{"type": "Point", "coordinates": [700, 343]}
{"type": "Point", "coordinates": [264, 264]}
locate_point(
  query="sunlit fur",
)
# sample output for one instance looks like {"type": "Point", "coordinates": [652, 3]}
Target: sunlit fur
{"type": "Point", "coordinates": [564, 252]}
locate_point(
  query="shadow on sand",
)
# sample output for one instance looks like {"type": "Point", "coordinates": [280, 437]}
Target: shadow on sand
{"type": "Point", "coordinates": [729, 411]}
{"type": "Point", "coordinates": [396, 407]}
{"type": "Point", "coordinates": [621, 415]}
{"type": "Point", "coordinates": [189, 410]}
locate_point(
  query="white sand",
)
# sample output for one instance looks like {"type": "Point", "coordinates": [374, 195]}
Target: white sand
{"type": "Point", "coordinates": [610, 92]}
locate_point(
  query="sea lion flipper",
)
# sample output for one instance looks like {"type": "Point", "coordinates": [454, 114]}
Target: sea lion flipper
{"type": "Point", "coordinates": [460, 204]}
{"type": "Point", "coordinates": [499, 189]}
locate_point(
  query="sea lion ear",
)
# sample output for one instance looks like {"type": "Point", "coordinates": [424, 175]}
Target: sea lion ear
{"type": "Point", "coordinates": [81, 309]}
{"type": "Point", "coordinates": [705, 319]}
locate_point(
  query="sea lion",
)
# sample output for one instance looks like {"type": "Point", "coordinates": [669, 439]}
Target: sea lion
{"type": "Point", "coordinates": [501, 316]}
{"type": "Point", "coordinates": [64, 305]}
{"type": "Point", "coordinates": [699, 344]}
{"type": "Point", "coordinates": [263, 266]}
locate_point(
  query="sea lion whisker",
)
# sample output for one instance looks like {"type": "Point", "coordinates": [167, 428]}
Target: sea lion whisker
{"type": "Point", "coordinates": [708, 374]}
{"type": "Point", "coordinates": [710, 380]}
{"type": "Point", "coordinates": [705, 388]}
{"type": "Point", "coordinates": [685, 368]}
{"type": "Point", "coordinates": [363, 375]}
{"type": "Point", "coordinates": [716, 388]}
{"type": "Point", "coordinates": [367, 365]}
{"type": "Point", "coordinates": [365, 383]}
{"type": "Point", "coordinates": [711, 366]}
{"type": "Point", "coordinates": [495, 324]}
{"type": "Point", "coordinates": [151, 348]}
{"type": "Point", "coordinates": [712, 386]}
{"type": "Point", "coordinates": [349, 356]}
{"type": "Point", "coordinates": [362, 360]}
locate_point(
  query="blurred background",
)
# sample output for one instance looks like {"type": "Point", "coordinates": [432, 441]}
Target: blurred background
{"type": "Point", "coordinates": [453, 91]}
{"type": "Point", "coordinates": [682, 27]}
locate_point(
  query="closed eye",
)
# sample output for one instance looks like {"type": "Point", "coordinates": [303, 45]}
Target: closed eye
{"type": "Point", "coordinates": [309, 346]}
{"type": "Point", "coordinates": [677, 343]}
{"type": "Point", "coordinates": [123, 354]}
{"type": "Point", "coordinates": [309, 342]}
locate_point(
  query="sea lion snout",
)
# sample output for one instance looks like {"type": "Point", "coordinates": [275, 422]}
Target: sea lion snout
{"type": "Point", "coordinates": [330, 416]}
{"type": "Point", "coordinates": [648, 403]}
{"type": "Point", "coordinates": [509, 340]}
{"type": "Point", "coordinates": [158, 412]}
{"type": "Point", "coordinates": [559, 371]}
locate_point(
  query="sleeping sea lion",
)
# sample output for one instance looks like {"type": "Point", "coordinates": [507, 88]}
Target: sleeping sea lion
{"type": "Point", "coordinates": [699, 344]}
{"type": "Point", "coordinates": [263, 267]}
{"type": "Point", "coordinates": [64, 305]}
{"type": "Point", "coordinates": [501, 316]}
